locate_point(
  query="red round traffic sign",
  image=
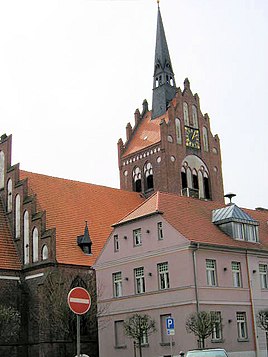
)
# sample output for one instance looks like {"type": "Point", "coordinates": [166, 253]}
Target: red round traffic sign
{"type": "Point", "coordinates": [79, 300]}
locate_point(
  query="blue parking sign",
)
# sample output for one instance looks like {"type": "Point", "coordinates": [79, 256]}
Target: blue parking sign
{"type": "Point", "coordinates": [170, 323]}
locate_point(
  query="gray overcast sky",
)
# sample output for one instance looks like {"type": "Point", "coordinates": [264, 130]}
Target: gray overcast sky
{"type": "Point", "coordinates": [72, 73]}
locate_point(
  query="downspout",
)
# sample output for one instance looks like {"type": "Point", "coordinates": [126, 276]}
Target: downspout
{"type": "Point", "coordinates": [252, 309]}
{"type": "Point", "coordinates": [195, 276]}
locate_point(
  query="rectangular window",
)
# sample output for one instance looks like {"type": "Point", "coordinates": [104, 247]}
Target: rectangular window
{"type": "Point", "coordinates": [263, 275]}
{"type": "Point", "coordinates": [165, 339]}
{"type": "Point", "coordinates": [163, 275]}
{"type": "Point", "coordinates": [242, 332]}
{"type": "Point", "coordinates": [137, 237]}
{"type": "Point", "coordinates": [117, 284]}
{"type": "Point", "coordinates": [119, 334]}
{"type": "Point", "coordinates": [139, 280]}
{"type": "Point", "coordinates": [211, 272]}
{"type": "Point", "coordinates": [217, 329]}
{"type": "Point", "coordinates": [236, 272]}
{"type": "Point", "coordinates": [160, 230]}
{"type": "Point", "coordinates": [116, 243]}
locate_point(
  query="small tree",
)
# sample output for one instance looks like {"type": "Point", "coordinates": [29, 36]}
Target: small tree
{"type": "Point", "coordinates": [262, 323]}
{"type": "Point", "coordinates": [9, 323]}
{"type": "Point", "coordinates": [139, 327]}
{"type": "Point", "coordinates": [201, 324]}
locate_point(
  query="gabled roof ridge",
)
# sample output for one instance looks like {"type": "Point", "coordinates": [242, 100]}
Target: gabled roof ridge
{"type": "Point", "coordinates": [136, 208]}
{"type": "Point", "coordinates": [70, 180]}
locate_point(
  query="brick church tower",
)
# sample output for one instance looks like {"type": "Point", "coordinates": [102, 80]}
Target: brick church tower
{"type": "Point", "coordinates": [170, 148]}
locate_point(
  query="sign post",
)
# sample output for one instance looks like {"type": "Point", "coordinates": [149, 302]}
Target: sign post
{"type": "Point", "coordinates": [170, 324]}
{"type": "Point", "coordinates": [79, 302]}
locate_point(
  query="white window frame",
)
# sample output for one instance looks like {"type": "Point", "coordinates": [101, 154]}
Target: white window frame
{"type": "Point", "coordinates": [211, 272]}
{"type": "Point", "coordinates": [163, 275]}
{"type": "Point", "coordinates": [9, 195]}
{"type": "Point", "coordinates": [236, 274]}
{"type": "Point", "coordinates": [117, 284]}
{"type": "Point", "coordinates": [160, 231]}
{"type": "Point", "coordinates": [116, 243]}
{"type": "Point", "coordinates": [139, 280]}
{"type": "Point", "coordinates": [217, 328]}
{"type": "Point", "coordinates": [35, 245]}
{"type": "Point", "coordinates": [17, 216]}
{"type": "Point", "coordinates": [137, 237]}
{"type": "Point", "coordinates": [26, 237]}
{"type": "Point", "coordinates": [242, 332]}
{"type": "Point", "coordinates": [263, 276]}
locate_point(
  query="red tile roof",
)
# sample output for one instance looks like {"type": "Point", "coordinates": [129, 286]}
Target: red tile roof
{"type": "Point", "coordinates": [192, 218]}
{"type": "Point", "coordinates": [9, 258]}
{"type": "Point", "coordinates": [68, 204]}
{"type": "Point", "coordinates": [146, 134]}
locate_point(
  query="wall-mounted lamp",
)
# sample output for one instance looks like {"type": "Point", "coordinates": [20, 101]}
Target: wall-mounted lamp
{"type": "Point", "coordinates": [150, 274]}
{"type": "Point", "coordinates": [148, 231]}
{"type": "Point", "coordinates": [125, 237]}
{"type": "Point", "coordinates": [225, 269]}
{"type": "Point", "coordinates": [230, 320]}
{"type": "Point", "coordinates": [126, 278]}
{"type": "Point", "coordinates": [254, 271]}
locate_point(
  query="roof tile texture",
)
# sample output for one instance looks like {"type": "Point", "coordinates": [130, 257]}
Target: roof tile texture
{"type": "Point", "coordinates": [68, 204]}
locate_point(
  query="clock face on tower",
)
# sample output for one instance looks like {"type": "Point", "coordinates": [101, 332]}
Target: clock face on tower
{"type": "Point", "coordinates": [192, 138]}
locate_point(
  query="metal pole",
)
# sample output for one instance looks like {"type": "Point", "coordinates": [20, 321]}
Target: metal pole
{"type": "Point", "coordinates": [171, 347]}
{"type": "Point", "coordinates": [78, 335]}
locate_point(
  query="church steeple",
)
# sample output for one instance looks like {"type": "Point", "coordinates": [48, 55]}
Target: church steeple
{"type": "Point", "coordinates": [164, 86]}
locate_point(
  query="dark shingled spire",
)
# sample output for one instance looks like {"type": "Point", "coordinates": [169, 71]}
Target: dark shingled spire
{"type": "Point", "coordinates": [164, 86]}
{"type": "Point", "coordinates": [84, 241]}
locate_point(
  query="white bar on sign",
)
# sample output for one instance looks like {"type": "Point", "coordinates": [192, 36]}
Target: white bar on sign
{"type": "Point", "coordinates": [80, 301]}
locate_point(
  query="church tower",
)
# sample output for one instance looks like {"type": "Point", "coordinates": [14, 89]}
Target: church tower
{"type": "Point", "coordinates": [170, 148]}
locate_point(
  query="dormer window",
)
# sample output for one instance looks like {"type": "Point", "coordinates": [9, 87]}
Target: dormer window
{"type": "Point", "coordinates": [233, 221]}
{"type": "Point", "coordinates": [84, 241]}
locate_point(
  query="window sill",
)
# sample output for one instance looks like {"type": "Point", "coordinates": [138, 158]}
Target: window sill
{"type": "Point", "coordinates": [220, 340]}
{"type": "Point", "coordinates": [163, 344]}
{"type": "Point", "coordinates": [242, 340]}
{"type": "Point", "coordinates": [120, 347]}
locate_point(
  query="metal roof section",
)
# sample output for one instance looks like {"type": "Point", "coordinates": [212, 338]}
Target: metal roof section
{"type": "Point", "coordinates": [232, 213]}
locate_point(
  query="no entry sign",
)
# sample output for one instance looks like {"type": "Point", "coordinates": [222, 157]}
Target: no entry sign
{"type": "Point", "coordinates": [79, 300]}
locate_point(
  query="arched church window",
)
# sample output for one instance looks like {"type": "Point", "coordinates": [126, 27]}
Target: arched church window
{"type": "Point", "coordinates": [195, 180]}
{"type": "Point", "coordinates": [185, 113]}
{"type": "Point", "coordinates": [205, 138]}
{"type": "Point", "coordinates": [178, 130]}
{"type": "Point", "coordinates": [206, 186]}
{"type": "Point", "coordinates": [17, 216]}
{"type": "Point", "coordinates": [201, 184]}
{"type": "Point", "coordinates": [35, 245]}
{"type": "Point", "coordinates": [44, 253]}
{"type": "Point", "coordinates": [195, 120]}
{"type": "Point", "coordinates": [9, 195]}
{"type": "Point", "coordinates": [136, 174]}
{"type": "Point", "coordinates": [26, 237]}
{"type": "Point", "coordinates": [148, 175]}
{"type": "Point", "coordinates": [2, 169]}
{"type": "Point", "coordinates": [183, 178]}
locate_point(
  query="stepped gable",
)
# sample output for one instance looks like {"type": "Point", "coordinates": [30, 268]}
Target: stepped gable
{"type": "Point", "coordinates": [9, 258]}
{"type": "Point", "coordinates": [193, 219]}
{"type": "Point", "coordinates": [68, 204]}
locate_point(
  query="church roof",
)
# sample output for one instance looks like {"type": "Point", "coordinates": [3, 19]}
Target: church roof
{"type": "Point", "coordinates": [146, 134]}
{"type": "Point", "coordinates": [9, 258]}
{"type": "Point", "coordinates": [193, 219]}
{"type": "Point", "coordinates": [68, 204]}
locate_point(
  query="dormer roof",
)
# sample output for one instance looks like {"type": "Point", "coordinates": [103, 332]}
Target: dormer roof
{"type": "Point", "coordinates": [231, 213]}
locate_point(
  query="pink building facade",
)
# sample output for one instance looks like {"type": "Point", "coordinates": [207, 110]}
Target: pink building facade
{"type": "Point", "coordinates": [162, 261]}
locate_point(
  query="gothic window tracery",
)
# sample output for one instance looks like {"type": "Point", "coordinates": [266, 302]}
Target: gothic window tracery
{"type": "Point", "coordinates": [195, 120]}
{"type": "Point", "coordinates": [185, 113]}
{"type": "Point", "coordinates": [35, 245]}
{"type": "Point", "coordinates": [2, 169]}
{"type": "Point", "coordinates": [9, 195]}
{"type": "Point", "coordinates": [17, 216]}
{"type": "Point", "coordinates": [148, 175]}
{"type": "Point", "coordinates": [136, 174]}
{"type": "Point", "coordinates": [178, 130]}
{"type": "Point", "coordinates": [26, 232]}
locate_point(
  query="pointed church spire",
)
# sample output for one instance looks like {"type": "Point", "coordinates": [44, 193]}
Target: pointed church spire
{"type": "Point", "coordinates": [164, 87]}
